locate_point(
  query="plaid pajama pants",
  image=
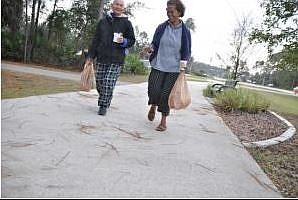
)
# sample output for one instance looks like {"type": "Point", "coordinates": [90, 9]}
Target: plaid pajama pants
{"type": "Point", "coordinates": [160, 85]}
{"type": "Point", "coordinates": [106, 77]}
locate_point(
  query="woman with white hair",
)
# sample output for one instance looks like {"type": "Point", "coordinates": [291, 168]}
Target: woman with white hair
{"type": "Point", "coordinates": [113, 35]}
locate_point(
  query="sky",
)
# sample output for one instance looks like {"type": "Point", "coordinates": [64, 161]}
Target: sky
{"type": "Point", "coordinates": [214, 20]}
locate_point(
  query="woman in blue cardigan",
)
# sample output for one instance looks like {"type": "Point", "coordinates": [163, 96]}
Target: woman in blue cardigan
{"type": "Point", "coordinates": [171, 45]}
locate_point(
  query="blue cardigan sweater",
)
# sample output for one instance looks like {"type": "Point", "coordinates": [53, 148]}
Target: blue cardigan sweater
{"type": "Point", "coordinates": [185, 41]}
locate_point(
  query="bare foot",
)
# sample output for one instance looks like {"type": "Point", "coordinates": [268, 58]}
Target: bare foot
{"type": "Point", "coordinates": [161, 128]}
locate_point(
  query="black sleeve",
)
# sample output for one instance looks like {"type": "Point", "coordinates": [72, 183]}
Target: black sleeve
{"type": "Point", "coordinates": [92, 52]}
{"type": "Point", "coordinates": [130, 36]}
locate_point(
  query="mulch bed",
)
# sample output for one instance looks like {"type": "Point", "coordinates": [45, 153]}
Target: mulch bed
{"type": "Point", "coordinates": [280, 163]}
{"type": "Point", "coordinates": [253, 127]}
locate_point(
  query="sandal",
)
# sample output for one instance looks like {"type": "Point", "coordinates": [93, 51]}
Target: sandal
{"type": "Point", "coordinates": [151, 115]}
{"type": "Point", "coordinates": [161, 128]}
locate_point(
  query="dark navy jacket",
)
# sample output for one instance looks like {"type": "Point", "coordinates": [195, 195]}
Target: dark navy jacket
{"type": "Point", "coordinates": [185, 41]}
{"type": "Point", "coordinates": [103, 48]}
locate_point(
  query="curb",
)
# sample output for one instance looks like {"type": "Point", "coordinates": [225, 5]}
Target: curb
{"type": "Point", "coordinates": [272, 141]}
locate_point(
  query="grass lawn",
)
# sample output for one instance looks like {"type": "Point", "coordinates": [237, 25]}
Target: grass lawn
{"type": "Point", "coordinates": [281, 103]}
{"type": "Point", "coordinates": [191, 77]}
{"type": "Point", "coordinates": [133, 78]}
{"type": "Point", "coordinates": [15, 85]}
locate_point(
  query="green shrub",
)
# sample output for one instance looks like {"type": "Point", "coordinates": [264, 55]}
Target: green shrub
{"type": "Point", "coordinates": [11, 45]}
{"type": "Point", "coordinates": [133, 65]}
{"type": "Point", "coordinates": [242, 100]}
{"type": "Point", "coordinates": [208, 92]}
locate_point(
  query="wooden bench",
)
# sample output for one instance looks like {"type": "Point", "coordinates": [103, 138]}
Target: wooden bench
{"type": "Point", "coordinates": [229, 84]}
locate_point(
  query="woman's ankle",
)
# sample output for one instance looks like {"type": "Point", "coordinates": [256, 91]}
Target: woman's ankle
{"type": "Point", "coordinates": [153, 108]}
{"type": "Point", "coordinates": [163, 121]}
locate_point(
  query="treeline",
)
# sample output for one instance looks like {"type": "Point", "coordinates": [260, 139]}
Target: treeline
{"type": "Point", "coordinates": [30, 35]}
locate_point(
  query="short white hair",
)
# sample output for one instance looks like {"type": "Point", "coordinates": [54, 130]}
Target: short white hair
{"type": "Point", "coordinates": [119, 0]}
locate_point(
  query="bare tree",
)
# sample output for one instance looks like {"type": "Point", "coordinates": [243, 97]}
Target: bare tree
{"type": "Point", "coordinates": [236, 60]}
{"type": "Point", "coordinates": [240, 45]}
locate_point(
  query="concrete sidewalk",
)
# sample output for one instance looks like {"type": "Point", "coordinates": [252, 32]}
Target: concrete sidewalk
{"type": "Point", "coordinates": [57, 146]}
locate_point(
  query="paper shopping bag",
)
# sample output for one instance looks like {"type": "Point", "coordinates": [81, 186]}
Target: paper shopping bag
{"type": "Point", "coordinates": [87, 77]}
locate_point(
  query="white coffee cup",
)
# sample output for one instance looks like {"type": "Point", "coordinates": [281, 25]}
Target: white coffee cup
{"type": "Point", "coordinates": [116, 37]}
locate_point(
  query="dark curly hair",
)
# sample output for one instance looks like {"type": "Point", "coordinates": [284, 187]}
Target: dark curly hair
{"type": "Point", "coordinates": [179, 6]}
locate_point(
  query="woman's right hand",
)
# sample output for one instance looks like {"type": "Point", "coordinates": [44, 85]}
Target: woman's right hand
{"type": "Point", "coordinates": [149, 50]}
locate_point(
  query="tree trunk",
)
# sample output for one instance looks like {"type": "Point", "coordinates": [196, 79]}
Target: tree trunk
{"type": "Point", "coordinates": [237, 63]}
{"type": "Point", "coordinates": [26, 32]}
{"type": "Point", "coordinates": [100, 9]}
{"type": "Point", "coordinates": [35, 29]}
{"type": "Point", "coordinates": [31, 33]}
{"type": "Point", "coordinates": [50, 22]}
{"type": "Point", "coordinates": [294, 83]}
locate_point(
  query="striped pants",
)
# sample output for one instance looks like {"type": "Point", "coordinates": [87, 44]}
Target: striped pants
{"type": "Point", "coordinates": [106, 76]}
{"type": "Point", "coordinates": [160, 85]}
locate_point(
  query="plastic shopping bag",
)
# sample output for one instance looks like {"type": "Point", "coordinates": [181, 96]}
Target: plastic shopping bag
{"type": "Point", "coordinates": [180, 96]}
